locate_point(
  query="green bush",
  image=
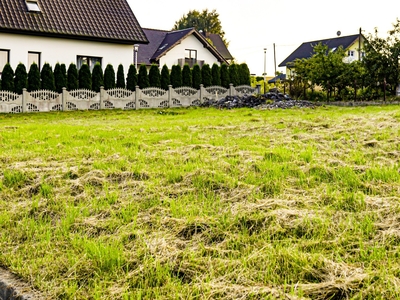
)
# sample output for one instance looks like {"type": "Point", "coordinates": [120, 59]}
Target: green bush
{"type": "Point", "coordinates": [72, 77]}
{"type": "Point", "coordinates": [7, 78]}
{"type": "Point", "coordinates": [143, 78]}
{"type": "Point", "coordinates": [225, 80]}
{"type": "Point", "coordinates": [20, 79]}
{"type": "Point", "coordinates": [165, 80]}
{"type": "Point", "coordinates": [206, 75]}
{"type": "Point", "coordinates": [33, 78]}
{"type": "Point", "coordinates": [186, 76]}
{"type": "Point", "coordinates": [196, 76]}
{"type": "Point", "coordinates": [244, 74]}
{"type": "Point", "coordinates": [154, 76]}
{"type": "Point", "coordinates": [131, 79]}
{"type": "Point", "coordinates": [60, 77]}
{"type": "Point", "coordinates": [109, 77]}
{"type": "Point", "coordinates": [47, 78]}
{"type": "Point", "coordinates": [97, 77]}
{"type": "Point", "coordinates": [215, 74]}
{"type": "Point", "coordinates": [234, 74]}
{"type": "Point", "coordinates": [176, 76]}
{"type": "Point", "coordinates": [85, 78]}
{"type": "Point", "coordinates": [120, 77]}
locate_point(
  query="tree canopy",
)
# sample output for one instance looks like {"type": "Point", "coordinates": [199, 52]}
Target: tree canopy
{"type": "Point", "coordinates": [207, 21]}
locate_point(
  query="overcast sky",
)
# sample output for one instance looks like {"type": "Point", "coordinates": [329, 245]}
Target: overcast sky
{"type": "Point", "coordinates": [251, 26]}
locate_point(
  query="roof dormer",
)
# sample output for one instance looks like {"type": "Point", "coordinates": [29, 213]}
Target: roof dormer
{"type": "Point", "coordinates": [32, 6]}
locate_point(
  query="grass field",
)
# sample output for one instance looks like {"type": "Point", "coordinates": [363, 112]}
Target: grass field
{"type": "Point", "coordinates": [203, 203]}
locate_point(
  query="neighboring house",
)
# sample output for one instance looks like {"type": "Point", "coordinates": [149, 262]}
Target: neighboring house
{"type": "Point", "coordinates": [177, 47]}
{"type": "Point", "coordinates": [68, 31]}
{"type": "Point", "coordinates": [219, 44]}
{"type": "Point", "coordinates": [352, 44]}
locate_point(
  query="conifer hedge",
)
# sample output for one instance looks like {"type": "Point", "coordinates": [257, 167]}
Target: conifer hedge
{"type": "Point", "coordinates": [206, 75]}
{"type": "Point", "coordinates": [215, 75]}
{"type": "Point", "coordinates": [176, 76]}
{"type": "Point", "coordinates": [196, 76]}
{"type": "Point", "coordinates": [97, 77]}
{"type": "Point", "coordinates": [225, 80]}
{"type": "Point", "coordinates": [120, 77]}
{"type": "Point", "coordinates": [234, 75]}
{"type": "Point", "coordinates": [85, 78]}
{"type": "Point", "coordinates": [20, 79]}
{"type": "Point", "coordinates": [131, 79]}
{"type": "Point", "coordinates": [186, 76]}
{"type": "Point", "coordinates": [33, 78]}
{"type": "Point", "coordinates": [47, 78]}
{"type": "Point", "coordinates": [165, 80]}
{"type": "Point", "coordinates": [7, 78]}
{"type": "Point", "coordinates": [60, 77]}
{"type": "Point", "coordinates": [154, 76]}
{"type": "Point", "coordinates": [109, 77]}
{"type": "Point", "coordinates": [143, 78]}
{"type": "Point", "coordinates": [72, 77]}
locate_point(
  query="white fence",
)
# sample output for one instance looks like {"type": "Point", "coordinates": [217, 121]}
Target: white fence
{"type": "Point", "coordinates": [44, 101]}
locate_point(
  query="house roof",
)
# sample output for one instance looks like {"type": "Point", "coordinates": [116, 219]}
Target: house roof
{"type": "Point", "coordinates": [160, 42]}
{"type": "Point", "coordinates": [219, 44]}
{"type": "Point", "coordinates": [280, 77]}
{"type": "Point", "coordinates": [101, 20]}
{"type": "Point", "coordinates": [306, 50]}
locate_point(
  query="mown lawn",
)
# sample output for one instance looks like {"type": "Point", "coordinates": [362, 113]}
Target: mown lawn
{"type": "Point", "coordinates": [203, 203]}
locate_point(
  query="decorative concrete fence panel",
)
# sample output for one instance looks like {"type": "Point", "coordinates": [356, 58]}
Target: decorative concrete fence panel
{"type": "Point", "coordinates": [10, 102]}
{"type": "Point", "coordinates": [151, 97]}
{"type": "Point", "coordinates": [81, 99]}
{"type": "Point", "coordinates": [242, 90]}
{"type": "Point", "coordinates": [215, 93]}
{"type": "Point", "coordinates": [184, 97]}
{"type": "Point", "coordinates": [43, 100]}
{"type": "Point", "coordinates": [118, 98]}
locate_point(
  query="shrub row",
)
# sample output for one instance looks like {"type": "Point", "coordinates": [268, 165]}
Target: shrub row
{"type": "Point", "coordinates": [83, 78]}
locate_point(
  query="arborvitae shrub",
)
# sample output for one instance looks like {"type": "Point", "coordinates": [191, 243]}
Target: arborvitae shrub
{"type": "Point", "coordinates": [216, 75]}
{"type": "Point", "coordinates": [60, 77]}
{"type": "Point", "coordinates": [120, 77]}
{"type": "Point", "coordinates": [131, 79]}
{"type": "Point", "coordinates": [7, 78]}
{"type": "Point", "coordinates": [72, 77]}
{"type": "Point", "coordinates": [225, 80]}
{"type": "Point", "coordinates": [85, 78]}
{"type": "Point", "coordinates": [154, 76]}
{"type": "Point", "coordinates": [97, 77]}
{"type": "Point", "coordinates": [47, 78]}
{"type": "Point", "coordinates": [109, 77]}
{"type": "Point", "coordinates": [206, 75]}
{"type": "Point", "coordinates": [33, 78]}
{"type": "Point", "coordinates": [234, 75]}
{"type": "Point", "coordinates": [20, 79]}
{"type": "Point", "coordinates": [176, 76]}
{"type": "Point", "coordinates": [186, 76]}
{"type": "Point", "coordinates": [143, 78]}
{"type": "Point", "coordinates": [244, 74]}
{"type": "Point", "coordinates": [165, 80]}
{"type": "Point", "coordinates": [196, 76]}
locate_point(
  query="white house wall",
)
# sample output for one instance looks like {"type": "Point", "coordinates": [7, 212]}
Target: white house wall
{"type": "Point", "coordinates": [65, 51]}
{"type": "Point", "coordinates": [177, 52]}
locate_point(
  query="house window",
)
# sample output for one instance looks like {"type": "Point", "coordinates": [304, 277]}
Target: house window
{"type": "Point", "coordinates": [34, 57]}
{"type": "Point", "coordinates": [32, 6]}
{"type": "Point", "coordinates": [89, 60]}
{"type": "Point", "coordinates": [350, 53]}
{"type": "Point", "coordinates": [4, 58]}
{"type": "Point", "coordinates": [191, 54]}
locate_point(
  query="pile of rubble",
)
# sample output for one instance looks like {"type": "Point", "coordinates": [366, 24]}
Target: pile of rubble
{"type": "Point", "coordinates": [272, 99]}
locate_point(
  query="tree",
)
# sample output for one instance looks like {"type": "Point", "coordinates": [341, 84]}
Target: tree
{"type": "Point", "coordinates": [233, 74]}
{"type": "Point", "coordinates": [47, 78]}
{"type": "Point", "coordinates": [186, 76]}
{"type": "Point", "coordinates": [206, 75]}
{"type": "Point", "coordinates": [154, 76]}
{"type": "Point", "coordinates": [165, 80]}
{"type": "Point", "coordinates": [20, 79]}
{"type": "Point", "coordinates": [60, 77]}
{"type": "Point", "coordinates": [176, 76]}
{"type": "Point", "coordinates": [109, 77]}
{"type": "Point", "coordinates": [225, 80]}
{"type": "Point", "coordinates": [72, 77]}
{"type": "Point", "coordinates": [244, 74]}
{"type": "Point", "coordinates": [85, 78]}
{"type": "Point", "coordinates": [131, 79]}
{"type": "Point", "coordinates": [33, 78]}
{"type": "Point", "coordinates": [207, 21]}
{"type": "Point", "coordinates": [7, 78]}
{"type": "Point", "coordinates": [120, 77]}
{"type": "Point", "coordinates": [215, 74]}
{"type": "Point", "coordinates": [97, 77]}
{"type": "Point", "coordinates": [196, 76]}
{"type": "Point", "coordinates": [143, 78]}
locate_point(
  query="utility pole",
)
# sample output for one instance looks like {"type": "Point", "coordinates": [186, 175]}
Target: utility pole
{"type": "Point", "coordinates": [265, 70]}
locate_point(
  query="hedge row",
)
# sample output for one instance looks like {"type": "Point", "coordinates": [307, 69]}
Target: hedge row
{"type": "Point", "coordinates": [83, 78]}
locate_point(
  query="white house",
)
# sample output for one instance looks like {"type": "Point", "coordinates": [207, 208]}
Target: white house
{"type": "Point", "coordinates": [68, 31]}
{"type": "Point", "coordinates": [178, 47]}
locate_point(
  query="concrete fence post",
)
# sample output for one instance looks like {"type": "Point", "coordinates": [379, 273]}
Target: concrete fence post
{"type": "Point", "coordinates": [258, 88]}
{"type": "Point", "coordinates": [170, 96]}
{"type": "Point", "coordinates": [202, 93]}
{"type": "Point", "coordinates": [64, 99]}
{"type": "Point", "coordinates": [24, 99]}
{"type": "Point", "coordinates": [102, 96]}
{"type": "Point", "coordinates": [231, 90]}
{"type": "Point", "coordinates": [137, 95]}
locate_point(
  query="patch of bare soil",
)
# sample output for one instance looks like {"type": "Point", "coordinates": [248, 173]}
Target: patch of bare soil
{"type": "Point", "coordinates": [13, 288]}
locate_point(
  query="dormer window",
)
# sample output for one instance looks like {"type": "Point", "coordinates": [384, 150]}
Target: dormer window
{"type": "Point", "coordinates": [32, 6]}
